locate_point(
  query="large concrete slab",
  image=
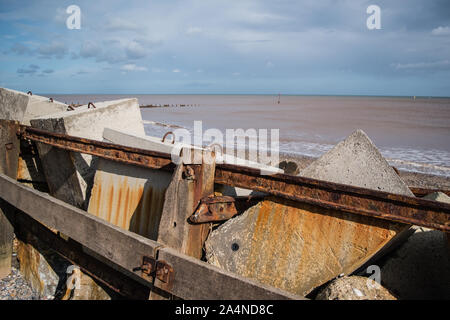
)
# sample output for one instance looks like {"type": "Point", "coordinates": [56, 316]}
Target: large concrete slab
{"type": "Point", "coordinates": [70, 175]}
{"type": "Point", "coordinates": [298, 247]}
{"type": "Point", "coordinates": [16, 105]}
{"type": "Point", "coordinates": [420, 268]}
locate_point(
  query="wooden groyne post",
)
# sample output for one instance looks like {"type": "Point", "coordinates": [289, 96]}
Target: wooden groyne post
{"type": "Point", "coordinates": [9, 156]}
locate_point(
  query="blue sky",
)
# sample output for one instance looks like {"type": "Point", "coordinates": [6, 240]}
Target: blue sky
{"type": "Point", "coordinates": [199, 46]}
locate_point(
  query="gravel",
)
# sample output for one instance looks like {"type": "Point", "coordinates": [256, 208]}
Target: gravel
{"type": "Point", "coordinates": [14, 286]}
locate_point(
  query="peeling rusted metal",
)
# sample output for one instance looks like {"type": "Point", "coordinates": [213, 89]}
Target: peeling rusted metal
{"type": "Point", "coordinates": [114, 152]}
{"type": "Point", "coordinates": [212, 209]}
{"type": "Point", "coordinates": [377, 204]}
{"type": "Point", "coordinates": [160, 269]}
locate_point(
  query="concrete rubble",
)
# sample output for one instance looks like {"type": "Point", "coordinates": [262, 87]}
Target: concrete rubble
{"type": "Point", "coordinates": [355, 288]}
{"type": "Point", "coordinates": [294, 247]}
{"type": "Point", "coordinates": [42, 267]}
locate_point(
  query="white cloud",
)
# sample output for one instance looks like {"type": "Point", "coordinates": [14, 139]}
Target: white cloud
{"type": "Point", "coordinates": [135, 50]}
{"type": "Point", "coordinates": [176, 70]}
{"type": "Point", "coordinates": [422, 65]}
{"type": "Point", "coordinates": [441, 31]}
{"type": "Point", "coordinates": [132, 67]}
{"type": "Point", "coordinates": [193, 30]}
{"type": "Point", "coordinates": [118, 24]}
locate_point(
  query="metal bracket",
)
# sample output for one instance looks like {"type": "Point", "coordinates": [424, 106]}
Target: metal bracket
{"type": "Point", "coordinates": [157, 268]}
{"type": "Point", "coordinates": [213, 208]}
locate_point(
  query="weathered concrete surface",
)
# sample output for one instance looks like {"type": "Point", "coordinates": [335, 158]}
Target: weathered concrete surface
{"type": "Point", "coordinates": [354, 288]}
{"type": "Point", "coordinates": [420, 268]}
{"type": "Point", "coordinates": [16, 105]}
{"type": "Point", "coordinates": [356, 161]}
{"type": "Point", "coordinates": [130, 197]}
{"type": "Point", "coordinates": [70, 175]}
{"type": "Point", "coordinates": [298, 247]}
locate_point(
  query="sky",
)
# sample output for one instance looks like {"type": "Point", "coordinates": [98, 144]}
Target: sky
{"type": "Point", "coordinates": [227, 47]}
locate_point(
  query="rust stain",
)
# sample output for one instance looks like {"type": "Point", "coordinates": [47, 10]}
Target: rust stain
{"type": "Point", "coordinates": [297, 248]}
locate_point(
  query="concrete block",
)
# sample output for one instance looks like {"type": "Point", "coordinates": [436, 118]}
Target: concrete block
{"type": "Point", "coordinates": [70, 175]}
{"type": "Point", "coordinates": [356, 161]}
{"type": "Point", "coordinates": [420, 268]}
{"type": "Point", "coordinates": [298, 247]}
{"type": "Point", "coordinates": [16, 105]}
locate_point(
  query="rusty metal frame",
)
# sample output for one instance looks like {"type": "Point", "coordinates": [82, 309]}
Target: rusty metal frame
{"type": "Point", "coordinates": [114, 152]}
{"type": "Point", "coordinates": [377, 204]}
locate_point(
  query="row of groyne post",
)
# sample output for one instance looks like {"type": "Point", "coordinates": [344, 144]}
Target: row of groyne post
{"type": "Point", "coordinates": [168, 105]}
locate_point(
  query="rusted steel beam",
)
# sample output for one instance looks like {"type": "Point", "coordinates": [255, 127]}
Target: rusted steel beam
{"type": "Point", "coordinates": [377, 204]}
{"type": "Point", "coordinates": [114, 152]}
{"type": "Point", "coordinates": [328, 195]}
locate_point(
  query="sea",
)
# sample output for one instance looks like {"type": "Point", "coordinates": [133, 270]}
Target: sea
{"type": "Point", "coordinates": [412, 133]}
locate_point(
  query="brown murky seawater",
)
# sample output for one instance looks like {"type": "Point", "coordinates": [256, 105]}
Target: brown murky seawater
{"type": "Point", "coordinates": [412, 134]}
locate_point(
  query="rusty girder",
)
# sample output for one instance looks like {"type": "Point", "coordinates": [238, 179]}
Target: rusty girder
{"type": "Point", "coordinates": [377, 204]}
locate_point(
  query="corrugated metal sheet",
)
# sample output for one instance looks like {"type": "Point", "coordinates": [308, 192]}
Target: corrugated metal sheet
{"type": "Point", "coordinates": [129, 197]}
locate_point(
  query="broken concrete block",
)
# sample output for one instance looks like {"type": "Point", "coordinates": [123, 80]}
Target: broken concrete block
{"type": "Point", "coordinates": [16, 105]}
{"type": "Point", "coordinates": [298, 247]}
{"type": "Point", "coordinates": [438, 196]}
{"type": "Point", "coordinates": [19, 106]}
{"type": "Point", "coordinates": [356, 161]}
{"type": "Point", "coordinates": [70, 175]}
{"type": "Point", "coordinates": [128, 196]}
{"type": "Point", "coordinates": [420, 268]}
{"type": "Point", "coordinates": [354, 288]}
